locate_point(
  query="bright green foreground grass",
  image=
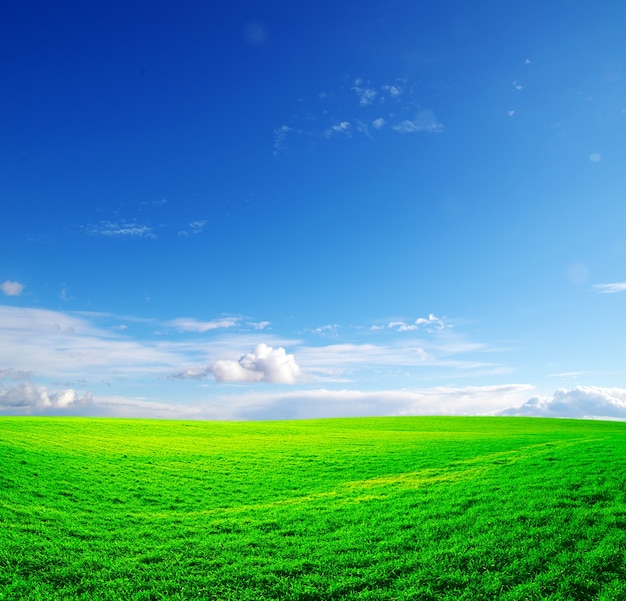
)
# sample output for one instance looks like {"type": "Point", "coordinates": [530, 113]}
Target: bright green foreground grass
{"type": "Point", "coordinates": [390, 508]}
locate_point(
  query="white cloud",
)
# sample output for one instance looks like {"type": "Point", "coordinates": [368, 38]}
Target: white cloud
{"type": "Point", "coordinates": [185, 324]}
{"type": "Point", "coordinates": [330, 328]}
{"type": "Point", "coordinates": [506, 400]}
{"type": "Point", "coordinates": [366, 95]}
{"type": "Point", "coordinates": [122, 229]}
{"type": "Point", "coordinates": [610, 288]}
{"type": "Point", "coordinates": [91, 348]}
{"type": "Point", "coordinates": [280, 137]}
{"type": "Point", "coordinates": [578, 402]}
{"type": "Point", "coordinates": [15, 374]}
{"type": "Point", "coordinates": [431, 320]}
{"type": "Point", "coordinates": [60, 345]}
{"type": "Point", "coordinates": [350, 357]}
{"type": "Point", "coordinates": [260, 325]}
{"type": "Point", "coordinates": [26, 397]}
{"type": "Point", "coordinates": [320, 403]}
{"type": "Point", "coordinates": [424, 121]}
{"type": "Point", "coordinates": [400, 355]}
{"type": "Point", "coordinates": [329, 115]}
{"type": "Point", "coordinates": [263, 364]}
{"type": "Point", "coordinates": [302, 404]}
{"type": "Point", "coordinates": [339, 128]}
{"type": "Point", "coordinates": [192, 373]}
{"type": "Point", "coordinates": [233, 371]}
{"type": "Point", "coordinates": [393, 90]}
{"type": "Point", "coordinates": [193, 228]}
{"type": "Point", "coordinates": [12, 288]}
{"type": "Point", "coordinates": [72, 345]}
{"type": "Point", "coordinates": [120, 406]}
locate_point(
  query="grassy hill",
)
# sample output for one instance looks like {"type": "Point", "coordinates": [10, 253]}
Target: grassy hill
{"type": "Point", "coordinates": [375, 508]}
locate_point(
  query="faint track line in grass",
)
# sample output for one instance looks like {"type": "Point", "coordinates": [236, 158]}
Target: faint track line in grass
{"type": "Point", "coordinates": [450, 473]}
{"type": "Point", "coordinates": [345, 492]}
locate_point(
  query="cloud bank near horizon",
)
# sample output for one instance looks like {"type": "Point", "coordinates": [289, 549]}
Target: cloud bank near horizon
{"type": "Point", "coordinates": [28, 398]}
{"type": "Point", "coordinates": [364, 372]}
{"type": "Point", "coordinates": [579, 402]}
{"type": "Point", "coordinates": [582, 402]}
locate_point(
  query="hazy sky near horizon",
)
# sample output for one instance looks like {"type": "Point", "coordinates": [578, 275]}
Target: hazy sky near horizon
{"type": "Point", "coordinates": [306, 209]}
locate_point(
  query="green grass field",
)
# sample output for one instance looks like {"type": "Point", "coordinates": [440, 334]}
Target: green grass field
{"type": "Point", "coordinates": [376, 508]}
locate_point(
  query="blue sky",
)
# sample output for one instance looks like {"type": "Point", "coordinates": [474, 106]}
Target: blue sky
{"type": "Point", "coordinates": [281, 210]}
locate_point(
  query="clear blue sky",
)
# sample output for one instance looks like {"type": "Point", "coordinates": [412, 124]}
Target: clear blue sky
{"type": "Point", "coordinates": [287, 209]}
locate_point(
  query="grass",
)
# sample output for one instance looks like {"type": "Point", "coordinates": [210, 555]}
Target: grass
{"type": "Point", "coordinates": [368, 509]}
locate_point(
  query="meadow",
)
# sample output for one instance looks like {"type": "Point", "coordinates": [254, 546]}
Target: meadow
{"type": "Point", "coordinates": [435, 508]}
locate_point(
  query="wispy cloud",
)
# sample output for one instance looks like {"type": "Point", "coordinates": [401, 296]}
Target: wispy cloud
{"type": "Point", "coordinates": [12, 288]}
{"type": "Point", "coordinates": [280, 137]}
{"type": "Point", "coordinates": [184, 324]}
{"type": "Point", "coordinates": [365, 94]}
{"type": "Point", "coordinates": [330, 328]}
{"type": "Point", "coordinates": [424, 121]}
{"type": "Point", "coordinates": [431, 321]}
{"type": "Point", "coordinates": [344, 128]}
{"type": "Point", "coordinates": [610, 288]}
{"type": "Point", "coordinates": [71, 346]}
{"type": "Point", "coordinates": [270, 403]}
{"type": "Point", "coordinates": [40, 347]}
{"type": "Point", "coordinates": [120, 229]}
{"type": "Point", "coordinates": [347, 402]}
{"type": "Point", "coordinates": [349, 355]}
{"type": "Point", "coordinates": [193, 228]}
{"type": "Point", "coordinates": [55, 345]}
{"type": "Point", "coordinates": [393, 90]}
{"type": "Point", "coordinates": [367, 109]}
{"type": "Point", "coordinates": [15, 374]}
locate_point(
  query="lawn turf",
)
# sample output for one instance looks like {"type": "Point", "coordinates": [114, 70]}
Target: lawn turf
{"type": "Point", "coordinates": [431, 508]}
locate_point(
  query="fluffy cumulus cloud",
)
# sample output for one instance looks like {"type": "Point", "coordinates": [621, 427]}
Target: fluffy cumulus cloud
{"type": "Point", "coordinates": [579, 402]}
{"type": "Point", "coordinates": [27, 397]}
{"type": "Point", "coordinates": [263, 364]}
{"type": "Point", "coordinates": [12, 288]}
